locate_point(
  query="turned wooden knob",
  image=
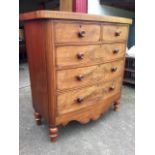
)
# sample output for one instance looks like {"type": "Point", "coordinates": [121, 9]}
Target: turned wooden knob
{"type": "Point", "coordinates": [80, 56]}
{"type": "Point", "coordinates": [79, 77]}
{"type": "Point", "coordinates": [115, 51]}
{"type": "Point", "coordinates": [117, 33]}
{"type": "Point", "coordinates": [81, 33]}
{"type": "Point", "coordinates": [79, 99]}
{"type": "Point", "coordinates": [113, 69]}
{"type": "Point", "coordinates": [111, 88]}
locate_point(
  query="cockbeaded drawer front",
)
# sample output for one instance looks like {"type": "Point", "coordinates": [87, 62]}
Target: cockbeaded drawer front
{"type": "Point", "coordinates": [115, 33]}
{"type": "Point", "coordinates": [75, 100]}
{"type": "Point", "coordinates": [77, 56]}
{"type": "Point", "coordinates": [75, 78]}
{"type": "Point", "coordinates": [76, 32]}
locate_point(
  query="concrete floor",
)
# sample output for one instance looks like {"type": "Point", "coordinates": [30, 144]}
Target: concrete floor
{"type": "Point", "coordinates": [111, 134]}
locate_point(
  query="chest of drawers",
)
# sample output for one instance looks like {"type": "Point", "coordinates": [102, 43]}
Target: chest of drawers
{"type": "Point", "coordinates": [76, 64]}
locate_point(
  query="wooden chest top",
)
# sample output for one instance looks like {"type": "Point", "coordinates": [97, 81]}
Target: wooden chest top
{"type": "Point", "coordinates": [72, 16]}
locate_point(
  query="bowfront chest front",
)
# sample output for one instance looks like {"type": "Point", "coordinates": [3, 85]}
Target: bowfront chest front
{"type": "Point", "coordinates": [76, 64]}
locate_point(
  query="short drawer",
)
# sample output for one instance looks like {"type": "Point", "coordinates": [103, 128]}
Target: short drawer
{"type": "Point", "coordinates": [77, 99]}
{"type": "Point", "coordinates": [115, 33]}
{"type": "Point", "coordinates": [113, 70]}
{"type": "Point", "coordinates": [76, 32]}
{"type": "Point", "coordinates": [90, 54]}
{"type": "Point", "coordinates": [74, 78]}
{"type": "Point", "coordinates": [113, 51]}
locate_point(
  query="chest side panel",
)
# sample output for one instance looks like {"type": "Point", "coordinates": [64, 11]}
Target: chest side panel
{"type": "Point", "coordinates": [35, 44]}
{"type": "Point", "coordinates": [41, 59]}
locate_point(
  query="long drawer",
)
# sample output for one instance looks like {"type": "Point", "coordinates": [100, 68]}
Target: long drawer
{"type": "Point", "coordinates": [74, 78]}
{"type": "Point", "coordinates": [77, 32]}
{"type": "Point", "coordinates": [91, 54]}
{"type": "Point", "coordinates": [75, 100]}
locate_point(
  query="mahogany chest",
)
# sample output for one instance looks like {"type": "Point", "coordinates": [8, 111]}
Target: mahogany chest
{"type": "Point", "coordinates": [76, 64]}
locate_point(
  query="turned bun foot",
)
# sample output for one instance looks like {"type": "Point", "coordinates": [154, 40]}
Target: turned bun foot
{"type": "Point", "coordinates": [116, 105]}
{"type": "Point", "coordinates": [37, 118]}
{"type": "Point", "coordinates": [53, 133]}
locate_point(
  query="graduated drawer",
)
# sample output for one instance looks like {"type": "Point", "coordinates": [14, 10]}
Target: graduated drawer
{"type": "Point", "coordinates": [74, 78]}
{"type": "Point", "coordinates": [113, 69]}
{"type": "Point", "coordinates": [115, 33]}
{"type": "Point", "coordinates": [90, 54]}
{"type": "Point", "coordinates": [77, 99]}
{"type": "Point", "coordinates": [77, 32]}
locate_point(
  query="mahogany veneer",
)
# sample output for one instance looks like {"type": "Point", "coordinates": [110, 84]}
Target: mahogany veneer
{"type": "Point", "coordinates": [76, 64]}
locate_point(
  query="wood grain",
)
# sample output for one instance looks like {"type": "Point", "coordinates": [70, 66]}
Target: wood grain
{"type": "Point", "coordinates": [92, 112]}
{"type": "Point", "coordinates": [109, 51]}
{"type": "Point", "coordinates": [66, 5]}
{"type": "Point", "coordinates": [76, 64]}
{"type": "Point", "coordinates": [37, 65]}
{"type": "Point", "coordinates": [66, 56]}
{"type": "Point", "coordinates": [51, 72]}
{"type": "Point", "coordinates": [109, 74]}
{"type": "Point", "coordinates": [68, 102]}
{"type": "Point", "coordinates": [72, 78]}
{"type": "Point", "coordinates": [72, 30]}
{"type": "Point", "coordinates": [110, 32]}
{"type": "Point", "coordinates": [42, 14]}
{"type": "Point", "coordinates": [53, 133]}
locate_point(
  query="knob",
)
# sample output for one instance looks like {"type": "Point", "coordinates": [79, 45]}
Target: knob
{"type": "Point", "coordinates": [80, 56]}
{"type": "Point", "coordinates": [113, 69]}
{"type": "Point", "coordinates": [115, 51]}
{"type": "Point", "coordinates": [81, 33]}
{"type": "Point", "coordinates": [117, 33]}
{"type": "Point", "coordinates": [79, 77]}
{"type": "Point", "coordinates": [111, 88]}
{"type": "Point", "coordinates": [79, 99]}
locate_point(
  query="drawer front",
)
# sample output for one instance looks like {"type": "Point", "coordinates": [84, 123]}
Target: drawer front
{"type": "Point", "coordinates": [78, 55]}
{"type": "Point", "coordinates": [75, 100]}
{"type": "Point", "coordinates": [115, 33]}
{"type": "Point", "coordinates": [74, 78]}
{"type": "Point", "coordinates": [91, 54]}
{"type": "Point", "coordinates": [76, 32]}
{"type": "Point", "coordinates": [113, 51]}
{"type": "Point", "coordinates": [113, 70]}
